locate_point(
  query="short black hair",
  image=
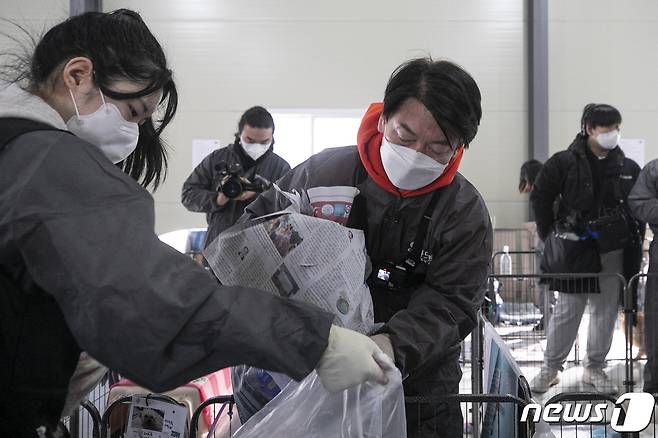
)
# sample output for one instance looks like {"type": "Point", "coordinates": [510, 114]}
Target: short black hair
{"type": "Point", "coordinates": [121, 47]}
{"type": "Point", "coordinates": [256, 117]}
{"type": "Point", "coordinates": [529, 171]}
{"type": "Point", "coordinates": [599, 114]}
{"type": "Point", "coordinates": [447, 91]}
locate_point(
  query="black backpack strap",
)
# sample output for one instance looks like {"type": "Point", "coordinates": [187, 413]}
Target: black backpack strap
{"type": "Point", "coordinates": [13, 127]}
{"type": "Point", "coordinates": [38, 353]}
{"type": "Point", "coordinates": [413, 258]}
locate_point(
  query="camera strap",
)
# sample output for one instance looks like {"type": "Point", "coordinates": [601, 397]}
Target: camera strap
{"type": "Point", "coordinates": [358, 219]}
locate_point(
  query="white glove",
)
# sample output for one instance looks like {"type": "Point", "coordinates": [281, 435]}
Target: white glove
{"type": "Point", "coordinates": [351, 358]}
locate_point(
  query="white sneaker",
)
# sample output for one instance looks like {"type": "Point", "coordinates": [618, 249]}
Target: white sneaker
{"type": "Point", "coordinates": [546, 378]}
{"type": "Point", "coordinates": [600, 381]}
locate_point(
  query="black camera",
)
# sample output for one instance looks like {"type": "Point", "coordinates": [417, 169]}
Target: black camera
{"type": "Point", "coordinates": [231, 184]}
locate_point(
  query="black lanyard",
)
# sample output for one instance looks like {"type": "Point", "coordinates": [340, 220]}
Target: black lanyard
{"type": "Point", "coordinates": [359, 219]}
{"type": "Point", "coordinates": [412, 260]}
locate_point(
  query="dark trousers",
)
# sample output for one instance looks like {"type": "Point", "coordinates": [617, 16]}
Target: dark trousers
{"type": "Point", "coordinates": [429, 419]}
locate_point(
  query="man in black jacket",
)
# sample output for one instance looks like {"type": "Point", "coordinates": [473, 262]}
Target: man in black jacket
{"type": "Point", "coordinates": [253, 154]}
{"type": "Point", "coordinates": [590, 180]}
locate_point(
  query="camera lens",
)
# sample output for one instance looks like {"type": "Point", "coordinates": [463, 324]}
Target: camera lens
{"type": "Point", "coordinates": [232, 188]}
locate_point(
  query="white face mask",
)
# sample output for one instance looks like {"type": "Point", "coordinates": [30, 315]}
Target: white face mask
{"type": "Point", "coordinates": [107, 129]}
{"type": "Point", "coordinates": [255, 150]}
{"type": "Point", "coordinates": [609, 140]}
{"type": "Point", "coordinates": [408, 169]}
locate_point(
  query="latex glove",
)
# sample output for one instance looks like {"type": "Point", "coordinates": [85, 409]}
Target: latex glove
{"type": "Point", "coordinates": [383, 341]}
{"type": "Point", "coordinates": [351, 358]}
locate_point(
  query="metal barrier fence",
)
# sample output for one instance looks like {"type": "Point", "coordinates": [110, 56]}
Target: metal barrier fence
{"type": "Point", "coordinates": [218, 428]}
{"type": "Point", "coordinates": [591, 427]}
{"type": "Point", "coordinates": [85, 422]}
{"type": "Point", "coordinates": [469, 404]}
{"type": "Point", "coordinates": [636, 314]}
{"type": "Point", "coordinates": [514, 306]}
{"type": "Point", "coordinates": [115, 419]}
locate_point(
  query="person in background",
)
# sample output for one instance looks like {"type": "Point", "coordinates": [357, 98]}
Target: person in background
{"type": "Point", "coordinates": [529, 171]}
{"type": "Point", "coordinates": [643, 202]}
{"type": "Point", "coordinates": [590, 181]}
{"type": "Point", "coordinates": [81, 268]}
{"type": "Point", "coordinates": [251, 154]}
{"type": "Point", "coordinates": [427, 228]}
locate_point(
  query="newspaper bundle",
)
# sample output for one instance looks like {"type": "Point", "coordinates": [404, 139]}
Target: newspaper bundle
{"type": "Point", "coordinates": [300, 257]}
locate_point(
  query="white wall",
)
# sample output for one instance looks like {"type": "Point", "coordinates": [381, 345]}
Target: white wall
{"type": "Point", "coordinates": [604, 51]}
{"type": "Point", "coordinates": [229, 55]}
{"type": "Point", "coordinates": [35, 16]}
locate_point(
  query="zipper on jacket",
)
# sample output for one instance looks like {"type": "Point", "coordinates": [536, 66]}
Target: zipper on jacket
{"type": "Point", "coordinates": [397, 213]}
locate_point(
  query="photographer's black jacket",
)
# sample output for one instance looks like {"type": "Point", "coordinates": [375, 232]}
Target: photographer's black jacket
{"type": "Point", "coordinates": [200, 189]}
{"type": "Point", "coordinates": [567, 177]}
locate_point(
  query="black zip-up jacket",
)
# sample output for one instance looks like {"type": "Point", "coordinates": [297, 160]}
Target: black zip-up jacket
{"type": "Point", "coordinates": [200, 189]}
{"type": "Point", "coordinates": [567, 178]}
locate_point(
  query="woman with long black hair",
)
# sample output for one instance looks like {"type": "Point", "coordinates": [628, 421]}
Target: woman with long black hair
{"type": "Point", "coordinates": [81, 268]}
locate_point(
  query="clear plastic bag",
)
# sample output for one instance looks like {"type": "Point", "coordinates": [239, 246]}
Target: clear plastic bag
{"type": "Point", "coordinates": [306, 410]}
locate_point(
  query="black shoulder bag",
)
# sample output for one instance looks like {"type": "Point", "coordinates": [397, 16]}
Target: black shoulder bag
{"type": "Point", "coordinates": [566, 252]}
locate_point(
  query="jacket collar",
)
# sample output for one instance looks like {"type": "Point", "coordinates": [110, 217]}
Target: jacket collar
{"type": "Point", "coordinates": [579, 147]}
{"type": "Point", "coordinates": [375, 192]}
{"type": "Point", "coordinates": [369, 141]}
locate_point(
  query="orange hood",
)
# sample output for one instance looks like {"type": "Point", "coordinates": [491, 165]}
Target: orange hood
{"type": "Point", "coordinates": [369, 141]}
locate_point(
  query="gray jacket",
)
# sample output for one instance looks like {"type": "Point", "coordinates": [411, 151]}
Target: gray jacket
{"type": "Point", "coordinates": [74, 225]}
{"type": "Point", "coordinates": [200, 189]}
{"type": "Point", "coordinates": [643, 199]}
{"type": "Point", "coordinates": [427, 324]}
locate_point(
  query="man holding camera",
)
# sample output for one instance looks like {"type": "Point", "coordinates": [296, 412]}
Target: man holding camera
{"type": "Point", "coordinates": [227, 180]}
{"type": "Point", "coordinates": [579, 200]}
